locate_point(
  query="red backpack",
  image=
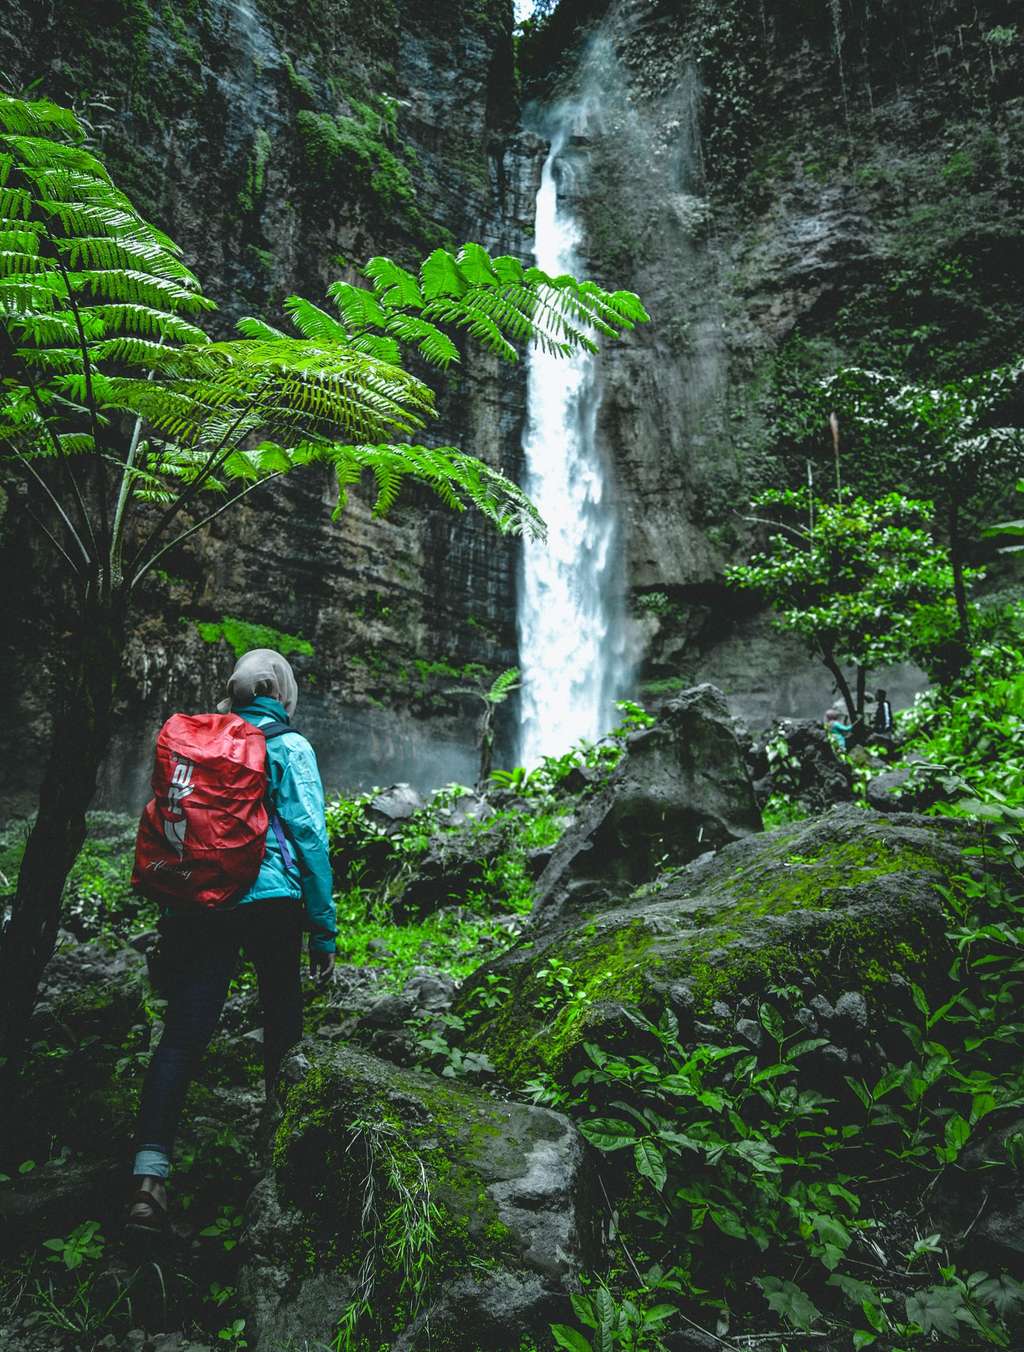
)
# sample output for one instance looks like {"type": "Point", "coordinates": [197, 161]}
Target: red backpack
{"type": "Point", "coordinates": [203, 834]}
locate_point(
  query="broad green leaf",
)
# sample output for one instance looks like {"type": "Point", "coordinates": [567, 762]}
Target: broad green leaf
{"type": "Point", "coordinates": [956, 1134]}
{"type": "Point", "coordinates": [609, 1133]}
{"type": "Point", "coordinates": [570, 1339]}
{"type": "Point", "coordinates": [650, 1162]}
{"type": "Point", "coordinates": [771, 1021]}
{"type": "Point", "coordinates": [789, 1301]}
{"type": "Point", "coordinates": [938, 1309]}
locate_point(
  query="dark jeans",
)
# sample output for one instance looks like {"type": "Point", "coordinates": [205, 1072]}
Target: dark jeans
{"type": "Point", "coordinates": [198, 958]}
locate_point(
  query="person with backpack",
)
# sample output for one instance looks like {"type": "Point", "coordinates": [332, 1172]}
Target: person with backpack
{"type": "Point", "coordinates": [234, 846]}
{"type": "Point", "coordinates": [883, 730]}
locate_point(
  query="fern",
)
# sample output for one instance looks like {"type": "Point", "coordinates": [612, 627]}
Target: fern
{"type": "Point", "coordinates": [114, 377]}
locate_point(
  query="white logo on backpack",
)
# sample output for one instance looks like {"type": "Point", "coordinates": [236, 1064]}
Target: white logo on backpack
{"type": "Point", "coordinates": [175, 822]}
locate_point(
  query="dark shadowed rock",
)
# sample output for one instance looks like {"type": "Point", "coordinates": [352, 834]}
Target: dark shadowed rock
{"type": "Point", "coordinates": [847, 906]}
{"type": "Point", "coordinates": [506, 1179]}
{"type": "Point", "coordinates": [681, 788]}
{"type": "Point", "coordinates": [810, 772]}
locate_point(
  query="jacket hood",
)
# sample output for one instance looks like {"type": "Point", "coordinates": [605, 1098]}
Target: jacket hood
{"type": "Point", "coordinates": [261, 672]}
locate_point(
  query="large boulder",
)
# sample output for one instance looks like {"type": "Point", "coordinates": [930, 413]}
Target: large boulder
{"type": "Point", "coordinates": [845, 905]}
{"type": "Point", "coordinates": [492, 1194]}
{"type": "Point", "coordinates": [681, 788]}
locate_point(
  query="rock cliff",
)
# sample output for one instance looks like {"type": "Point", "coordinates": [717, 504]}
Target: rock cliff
{"type": "Point", "coordinates": [786, 188]}
{"type": "Point", "coordinates": [281, 144]}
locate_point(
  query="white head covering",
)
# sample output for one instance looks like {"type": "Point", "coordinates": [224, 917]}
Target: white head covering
{"type": "Point", "coordinates": [261, 672]}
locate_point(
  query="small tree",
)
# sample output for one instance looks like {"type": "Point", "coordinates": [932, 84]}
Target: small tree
{"type": "Point", "coordinates": [490, 696]}
{"type": "Point", "coordinates": [851, 578]}
{"type": "Point", "coordinates": [121, 416]}
{"type": "Point", "coordinates": [944, 443]}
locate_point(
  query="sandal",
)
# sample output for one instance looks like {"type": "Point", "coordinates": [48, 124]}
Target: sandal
{"type": "Point", "coordinates": [154, 1222]}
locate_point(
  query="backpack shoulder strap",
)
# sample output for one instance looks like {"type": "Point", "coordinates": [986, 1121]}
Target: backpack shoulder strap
{"type": "Point", "coordinates": [271, 730]}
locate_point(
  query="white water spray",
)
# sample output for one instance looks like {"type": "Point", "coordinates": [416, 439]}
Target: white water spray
{"type": "Point", "coordinates": [571, 603]}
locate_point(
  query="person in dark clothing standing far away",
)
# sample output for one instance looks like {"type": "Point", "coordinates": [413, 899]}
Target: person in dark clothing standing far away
{"type": "Point", "coordinates": [184, 861]}
{"type": "Point", "coordinates": [882, 728]}
{"type": "Point", "coordinates": [883, 713]}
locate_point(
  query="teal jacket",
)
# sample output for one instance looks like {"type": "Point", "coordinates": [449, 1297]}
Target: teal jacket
{"type": "Point", "coordinates": [839, 732]}
{"type": "Point", "coordinates": [297, 796]}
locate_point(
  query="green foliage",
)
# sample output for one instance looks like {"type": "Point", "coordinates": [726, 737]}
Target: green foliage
{"type": "Point", "coordinates": [970, 732]}
{"type": "Point", "coordinates": [98, 897]}
{"type": "Point", "coordinates": [226, 1228]}
{"type": "Point", "coordinates": [854, 580]}
{"type": "Point", "coordinates": [400, 1221]}
{"type": "Point", "coordinates": [944, 442]}
{"type": "Point", "coordinates": [243, 635]}
{"type": "Point", "coordinates": [255, 171]}
{"type": "Point", "coordinates": [737, 1160]}
{"type": "Point", "coordinates": [339, 147]}
{"type": "Point", "coordinates": [616, 1323]}
{"type": "Point", "coordinates": [85, 1243]}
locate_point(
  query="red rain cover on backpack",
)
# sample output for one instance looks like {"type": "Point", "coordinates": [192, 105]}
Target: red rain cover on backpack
{"type": "Point", "coordinates": [203, 834]}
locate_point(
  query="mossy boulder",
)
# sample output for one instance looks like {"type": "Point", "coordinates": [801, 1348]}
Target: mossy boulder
{"type": "Point", "coordinates": [681, 788]}
{"type": "Point", "coordinates": [848, 902]}
{"type": "Point", "coordinates": [489, 1195]}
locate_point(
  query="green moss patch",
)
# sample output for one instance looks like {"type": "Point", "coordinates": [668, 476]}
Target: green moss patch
{"type": "Point", "coordinates": [848, 900]}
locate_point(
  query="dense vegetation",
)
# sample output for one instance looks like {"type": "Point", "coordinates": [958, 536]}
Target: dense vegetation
{"type": "Point", "coordinates": [750, 1182]}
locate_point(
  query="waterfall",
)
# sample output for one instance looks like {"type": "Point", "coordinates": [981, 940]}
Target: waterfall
{"type": "Point", "coordinates": [571, 616]}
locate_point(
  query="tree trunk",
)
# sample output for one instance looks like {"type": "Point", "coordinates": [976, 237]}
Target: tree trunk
{"type": "Point", "coordinates": [84, 699]}
{"type": "Point", "coordinates": [842, 685]}
{"type": "Point", "coordinates": [862, 681]}
{"type": "Point", "coordinates": [956, 559]}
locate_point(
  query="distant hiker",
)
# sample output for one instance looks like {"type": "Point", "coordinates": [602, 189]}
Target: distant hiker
{"type": "Point", "coordinates": [882, 723]}
{"type": "Point", "coordinates": [837, 729]}
{"type": "Point", "coordinates": [234, 846]}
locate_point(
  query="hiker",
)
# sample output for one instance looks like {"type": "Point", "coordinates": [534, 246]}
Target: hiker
{"type": "Point", "coordinates": [201, 938]}
{"type": "Point", "coordinates": [836, 728]}
{"type": "Point", "coordinates": [883, 730]}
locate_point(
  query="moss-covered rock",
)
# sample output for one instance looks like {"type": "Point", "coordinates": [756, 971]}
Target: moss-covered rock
{"type": "Point", "coordinates": [851, 900]}
{"type": "Point", "coordinates": [369, 1158]}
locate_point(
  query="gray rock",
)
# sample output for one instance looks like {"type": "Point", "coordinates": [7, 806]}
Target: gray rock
{"type": "Point", "coordinates": [506, 1176]}
{"type": "Point", "coordinates": [822, 1009]}
{"type": "Point", "coordinates": [750, 1032]}
{"type": "Point", "coordinates": [815, 776]}
{"type": "Point", "coordinates": [852, 1009]}
{"type": "Point", "coordinates": [468, 807]}
{"type": "Point", "coordinates": [430, 990]}
{"type": "Point", "coordinates": [680, 788]}
{"type": "Point", "coordinates": [395, 805]}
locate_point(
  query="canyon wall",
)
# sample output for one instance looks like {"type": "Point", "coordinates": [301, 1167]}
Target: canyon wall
{"type": "Point", "coordinates": [788, 187]}
{"type": "Point", "coordinates": [280, 144]}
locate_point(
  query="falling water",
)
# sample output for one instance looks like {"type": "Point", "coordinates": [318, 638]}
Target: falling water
{"type": "Point", "coordinates": [571, 603]}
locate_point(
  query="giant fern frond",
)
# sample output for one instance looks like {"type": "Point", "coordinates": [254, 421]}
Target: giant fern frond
{"type": "Point", "coordinates": [106, 365]}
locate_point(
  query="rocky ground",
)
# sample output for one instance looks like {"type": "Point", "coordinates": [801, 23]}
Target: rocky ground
{"type": "Point", "coordinates": [601, 1027]}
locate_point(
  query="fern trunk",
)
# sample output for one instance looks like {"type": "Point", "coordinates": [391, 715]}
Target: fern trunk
{"type": "Point", "coordinates": [81, 732]}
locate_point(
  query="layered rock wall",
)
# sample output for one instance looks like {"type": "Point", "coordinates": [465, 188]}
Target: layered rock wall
{"type": "Point", "coordinates": [280, 145]}
{"type": "Point", "coordinates": [787, 187]}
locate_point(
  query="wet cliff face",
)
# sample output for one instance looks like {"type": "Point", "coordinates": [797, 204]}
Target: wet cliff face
{"type": "Point", "coordinates": [280, 143]}
{"type": "Point", "coordinates": [788, 187]}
